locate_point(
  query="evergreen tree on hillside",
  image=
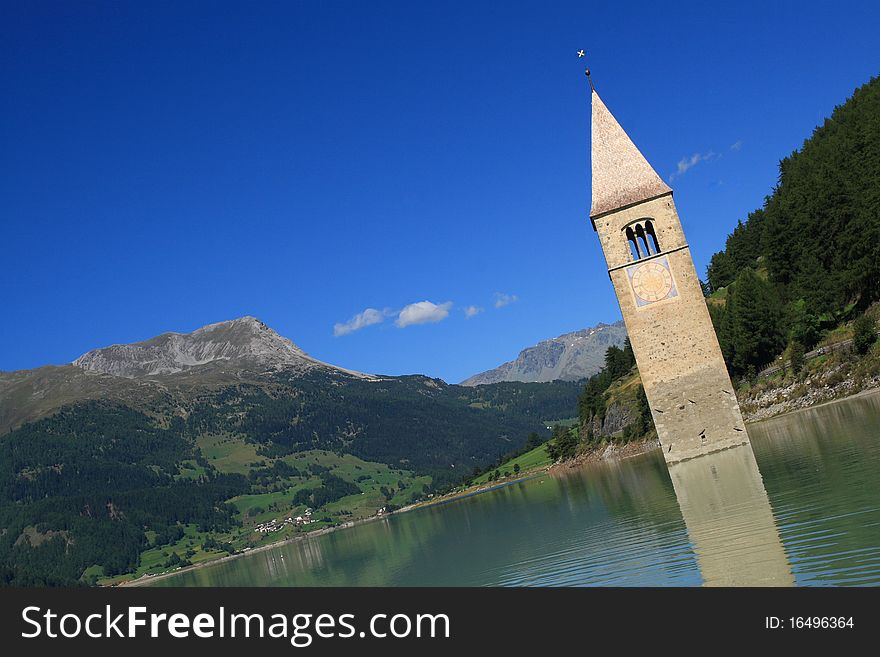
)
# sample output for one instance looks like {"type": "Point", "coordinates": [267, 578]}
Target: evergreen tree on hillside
{"type": "Point", "coordinates": [752, 327]}
{"type": "Point", "coordinates": [564, 444]}
{"type": "Point", "coordinates": [618, 363]}
{"type": "Point", "coordinates": [864, 333]}
{"type": "Point", "coordinates": [743, 248]}
{"type": "Point", "coordinates": [804, 325]}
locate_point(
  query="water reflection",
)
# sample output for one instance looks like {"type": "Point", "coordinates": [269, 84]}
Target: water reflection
{"type": "Point", "coordinates": [729, 520]}
{"type": "Point", "coordinates": [822, 471]}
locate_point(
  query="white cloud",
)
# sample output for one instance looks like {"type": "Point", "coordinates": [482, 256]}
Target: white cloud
{"type": "Point", "coordinates": [423, 312]}
{"type": "Point", "coordinates": [472, 311]}
{"type": "Point", "coordinates": [686, 163]}
{"type": "Point", "coordinates": [361, 320]}
{"type": "Point", "coordinates": [502, 299]}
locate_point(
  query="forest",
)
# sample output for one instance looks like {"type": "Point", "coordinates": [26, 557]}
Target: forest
{"type": "Point", "coordinates": [810, 257]}
{"type": "Point", "coordinates": [82, 487]}
{"type": "Point", "coordinates": [424, 424]}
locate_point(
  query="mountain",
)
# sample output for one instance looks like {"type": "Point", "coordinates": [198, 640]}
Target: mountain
{"type": "Point", "coordinates": [167, 369]}
{"type": "Point", "coordinates": [569, 357]}
{"type": "Point", "coordinates": [246, 339]}
{"type": "Point", "coordinates": [233, 375]}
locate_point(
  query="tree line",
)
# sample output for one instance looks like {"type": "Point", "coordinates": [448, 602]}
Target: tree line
{"type": "Point", "coordinates": [810, 257]}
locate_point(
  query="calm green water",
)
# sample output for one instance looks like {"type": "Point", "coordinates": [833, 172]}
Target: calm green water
{"type": "Point", "coordinates": [811, 517]}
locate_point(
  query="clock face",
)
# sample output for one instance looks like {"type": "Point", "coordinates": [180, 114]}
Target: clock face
{"type": "Point", "coordinates": [652, 281]}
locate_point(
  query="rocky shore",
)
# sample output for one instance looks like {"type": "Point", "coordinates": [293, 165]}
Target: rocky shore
{"type": "Point", "coordinates": [610, 451]}
{"type": "Point", "coordinates": [775, 397]}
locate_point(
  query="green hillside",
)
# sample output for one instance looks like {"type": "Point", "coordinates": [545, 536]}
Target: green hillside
{"type": "Point", "coordinates": [810, 258]}
{"type": "Point", "coordinates": [184, 468]}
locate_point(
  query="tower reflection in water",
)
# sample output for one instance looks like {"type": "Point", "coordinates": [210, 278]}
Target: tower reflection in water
{"type": "Point", "coordinates": [729, 520]}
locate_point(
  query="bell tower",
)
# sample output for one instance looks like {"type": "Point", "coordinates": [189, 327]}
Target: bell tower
{"type": "Point", "coordinates": [683, 372]}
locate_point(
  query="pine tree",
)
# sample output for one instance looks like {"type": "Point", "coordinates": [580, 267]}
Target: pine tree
{"type": "Point", "coordinates": [754, 322]}
{"type": "Point", "coordinates": [796, 354]}
{"type": "Point", "coordinates": [864, 333]}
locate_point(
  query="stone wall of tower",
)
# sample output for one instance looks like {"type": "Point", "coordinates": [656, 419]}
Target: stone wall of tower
{"type": "Point", "coordinates": [683, 372]}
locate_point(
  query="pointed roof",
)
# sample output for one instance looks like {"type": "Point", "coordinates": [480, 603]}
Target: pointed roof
{"type": "Point", "coordinates": [621, 174]}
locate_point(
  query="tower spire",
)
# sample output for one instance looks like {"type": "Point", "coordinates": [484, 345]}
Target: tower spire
{"type": "Point", "coordinates": [621, 174]}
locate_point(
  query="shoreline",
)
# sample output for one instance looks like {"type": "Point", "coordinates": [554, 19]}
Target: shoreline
{"type": "Point", "coordinates": [446, 499]}
{"type": "Point", "coordinates": [827, 402]}
{"type": "Point", "coordinates": [144, 579]}
{"type": "Point", "coordinates": [609, 452]}
{"type": "Point", "coordinates": [786, 397]}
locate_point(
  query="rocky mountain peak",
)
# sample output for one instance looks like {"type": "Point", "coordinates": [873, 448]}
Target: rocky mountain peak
{"type": "Point", "coordinates": [245, 340]}
{"type": "Point", "coordinates": [568, 357]}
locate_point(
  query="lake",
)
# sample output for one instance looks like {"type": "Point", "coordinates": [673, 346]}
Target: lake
{"type": "Point", "coordinates": [801, 507]}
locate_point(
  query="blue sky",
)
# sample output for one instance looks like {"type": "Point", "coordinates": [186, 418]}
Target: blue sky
{"type": "Point", "coordinates": [168, 165]}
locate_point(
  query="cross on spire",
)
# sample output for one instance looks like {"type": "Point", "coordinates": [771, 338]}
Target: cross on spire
{"type": "Point", "coordinates": [582, 53]}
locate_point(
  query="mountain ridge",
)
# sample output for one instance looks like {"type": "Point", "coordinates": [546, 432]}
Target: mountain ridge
{"type": "Point", "coordinates": [179, 374]}
{"type": "Point", "coordinates": [567, 357]}
{"type": "Point", "coordinates": [172, 365]}
{"type": "Point", "coordinates": [242, 339]}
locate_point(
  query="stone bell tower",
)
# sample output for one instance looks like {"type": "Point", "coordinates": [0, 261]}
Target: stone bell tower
{"type": "Point", "coordinates": [686, 382]}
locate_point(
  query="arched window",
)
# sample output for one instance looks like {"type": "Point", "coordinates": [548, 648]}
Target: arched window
{"type": "Point", "coordinates": [649, 229]}
{"type": "Point", "coordinates": [642, 239]}
{"type": "Point", "coordinates": [633, 245]}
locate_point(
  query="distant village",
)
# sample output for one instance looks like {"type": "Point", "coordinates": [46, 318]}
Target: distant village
{"type": "Point", "coordinates": [274, 525]}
